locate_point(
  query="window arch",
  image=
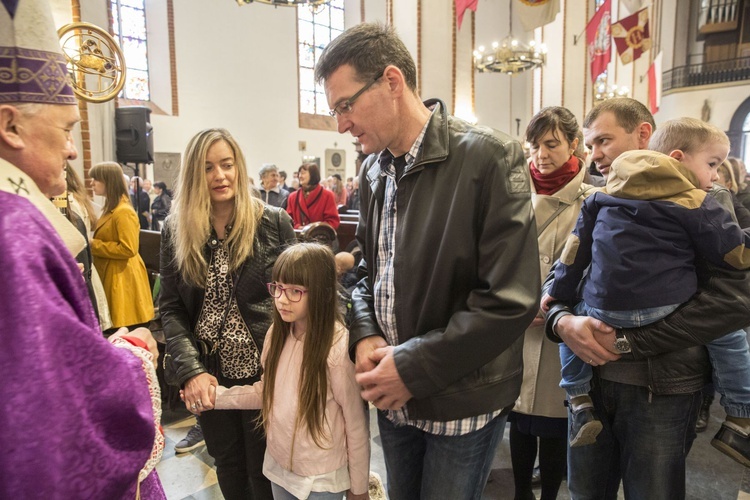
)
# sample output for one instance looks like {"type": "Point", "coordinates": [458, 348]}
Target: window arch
{"type": "Point", "coordinates": [316, 27]}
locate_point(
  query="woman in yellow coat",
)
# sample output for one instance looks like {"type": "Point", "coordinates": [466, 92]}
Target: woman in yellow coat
{"type": "Point", "coordinates": [115, 250]}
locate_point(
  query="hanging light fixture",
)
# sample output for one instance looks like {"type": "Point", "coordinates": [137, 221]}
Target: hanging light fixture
{"type": "Point", "coordinates": [604, 91]}
{"type": "Point", "coordinates": [510, 56]}
{"type": "Point", "coordinates": [286, 3]}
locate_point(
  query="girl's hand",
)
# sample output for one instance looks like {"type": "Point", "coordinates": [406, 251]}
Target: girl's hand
{"type": "Point", "coordinates": [352, 496]}
{"type": "Point", "coordinates": [199, 393]}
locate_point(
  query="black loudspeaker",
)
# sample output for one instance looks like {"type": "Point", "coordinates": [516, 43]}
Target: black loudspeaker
{"type": "Point", "coordinates": [135, 139]}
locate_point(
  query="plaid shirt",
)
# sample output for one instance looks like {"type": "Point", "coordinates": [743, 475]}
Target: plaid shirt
{"type": "Point", "coordinates": [384, 292]}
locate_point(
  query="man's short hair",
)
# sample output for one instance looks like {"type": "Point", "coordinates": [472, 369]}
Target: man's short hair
{"type": "Point", "coordinates": [282, 174]}
{"type": "Point", "coordinates": [369, 48]}
{"type": "Point", "coordinates": [628, 112]}
{"type": "Point", "coordinates": [267, 168]}
{"type": "Point", "coordinates": [686, 134]}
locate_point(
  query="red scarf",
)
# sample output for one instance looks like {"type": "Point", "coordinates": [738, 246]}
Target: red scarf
{"type": "Point", "coordinates": [551, 183]}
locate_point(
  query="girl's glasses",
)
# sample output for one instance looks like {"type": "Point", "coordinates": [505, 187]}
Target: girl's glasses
{"type": "Point", "coordinates": [293, 293]}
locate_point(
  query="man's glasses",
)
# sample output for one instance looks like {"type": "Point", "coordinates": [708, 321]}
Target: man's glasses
{"type": "Point", "coordinates": [293, 293]}
{"type": "Point", "coordinates": [345, 107]}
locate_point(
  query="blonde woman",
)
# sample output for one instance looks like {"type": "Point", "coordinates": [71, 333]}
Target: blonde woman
{"type": "Point", "coordinates": [219, 246]}
{"type": "Point", "coordinates": [115, 250]}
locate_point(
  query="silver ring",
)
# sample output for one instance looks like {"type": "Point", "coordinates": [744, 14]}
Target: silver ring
{"type": "Point", "coordinates": [591, 361]}
{"type": "Point", "coordinates": [193, 407]}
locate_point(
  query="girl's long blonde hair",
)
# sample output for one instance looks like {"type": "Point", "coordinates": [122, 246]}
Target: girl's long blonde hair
{"type": "Point", "coordinates": [190, 219]}
{"type": "Point", "coordinates": [313, 266]}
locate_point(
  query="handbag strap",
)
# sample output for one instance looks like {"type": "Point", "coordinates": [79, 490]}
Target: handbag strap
{"type": "Point", "coordinates": [560, 209]}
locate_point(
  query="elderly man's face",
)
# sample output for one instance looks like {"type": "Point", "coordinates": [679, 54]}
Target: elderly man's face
{"type": "Point", "coordinates": [47, 145]}
{"type": "Point", "coordinates": [270, 179]}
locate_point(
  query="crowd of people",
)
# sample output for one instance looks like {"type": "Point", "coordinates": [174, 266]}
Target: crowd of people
{"type": "Point", "coordinates": [489, 289]}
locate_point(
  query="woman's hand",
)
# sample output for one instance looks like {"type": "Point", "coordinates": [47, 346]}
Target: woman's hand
{"type": "Point", "coordinates": [199, 393]}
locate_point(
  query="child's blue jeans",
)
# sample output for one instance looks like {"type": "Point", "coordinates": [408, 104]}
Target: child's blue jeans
{"type": "Point", "coordinates": [729, 356]}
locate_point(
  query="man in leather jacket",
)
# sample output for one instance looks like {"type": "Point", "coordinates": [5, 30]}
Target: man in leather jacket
{"type": "Point", "coordinates": [450, 261]}
{"type": "Point", "coordinates": [647, 381]}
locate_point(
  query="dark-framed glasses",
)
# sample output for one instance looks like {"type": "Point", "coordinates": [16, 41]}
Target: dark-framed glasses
{"type": "Point", "coordinates": [344, 108]}
{"type": "Point", "coordinates": [293, 293]}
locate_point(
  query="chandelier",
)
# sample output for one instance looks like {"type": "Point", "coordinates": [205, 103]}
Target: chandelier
{"type": "Point", "coordinates": [604, 91]}
{"type": "Point", "coordinates": [286, 3]}
{"type": "Point", "coordinates": [510, 57]}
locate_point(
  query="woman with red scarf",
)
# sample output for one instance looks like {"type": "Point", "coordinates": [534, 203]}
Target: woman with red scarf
{"type": "Point", "coordinates": [312, 202]}
{"type": "Point", "coordinates": [539, 419]}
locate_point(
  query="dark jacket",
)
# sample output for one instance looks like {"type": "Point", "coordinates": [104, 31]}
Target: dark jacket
{"type": "Point", "coordinates": [273, 198]}
{"type": "Point", "coordinates": [641, 236]}
{"type": "Point", "coordinates": [466, 269]}
{"type": "Point", "coordinates": [160, 209]}
{"type": "Point", "coordinates": [180, 304]}
{"type": "Point", "coordinates": [142, 207]}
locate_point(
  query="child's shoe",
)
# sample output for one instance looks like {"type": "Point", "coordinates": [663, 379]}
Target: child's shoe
{"type": "Point", "coordinates": [733, 439]}
{"type": "Point", "coordinates": [584, 424]}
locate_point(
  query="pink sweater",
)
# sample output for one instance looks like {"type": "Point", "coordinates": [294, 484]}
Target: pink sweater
{"type": "Point", "coordinates": [349, 438]}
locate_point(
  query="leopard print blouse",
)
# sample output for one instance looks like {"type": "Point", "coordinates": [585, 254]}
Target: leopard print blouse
{"type": "Point", "coordinates": [240, 357]}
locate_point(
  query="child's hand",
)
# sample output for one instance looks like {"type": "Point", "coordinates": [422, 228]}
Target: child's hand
{"type": "Point", "coordinates": [544, 305]}
{"type": "Point", "coordinates": [352, 496]}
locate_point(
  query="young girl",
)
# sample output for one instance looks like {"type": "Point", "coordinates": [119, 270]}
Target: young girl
{"type": "Point", "coordinates": [317, 437]}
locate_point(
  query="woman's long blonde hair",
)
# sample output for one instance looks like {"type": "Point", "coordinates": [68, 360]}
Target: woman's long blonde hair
{"type": "Point", "coordinates": [313, 266]}
{"type": "Point", "coordinates": [190, 219]}
{"type": "Point", "coordinates": [110, 174]}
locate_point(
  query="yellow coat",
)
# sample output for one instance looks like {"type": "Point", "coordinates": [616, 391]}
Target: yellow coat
{"type": "Point", "coordinates": [541, 394]}
{"type": "Point", "coordinates": [115, 250]}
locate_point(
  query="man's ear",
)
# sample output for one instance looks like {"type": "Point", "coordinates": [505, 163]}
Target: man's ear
{"type": "Point", "coordinates": [644, 134]}
{"type": "Point", "coordinates": [9, 133]}
{"type": "Point", "coordinates": [395, 80]}
{"type": "Point", "coordinates": [677, 154]}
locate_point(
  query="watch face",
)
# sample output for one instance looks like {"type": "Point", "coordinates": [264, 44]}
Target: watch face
{"type": "Point", "coordinates": [622, 345]}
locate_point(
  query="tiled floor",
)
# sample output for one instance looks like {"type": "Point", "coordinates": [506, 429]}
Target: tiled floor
{"type": "Point", "coordinates": [710, 474]}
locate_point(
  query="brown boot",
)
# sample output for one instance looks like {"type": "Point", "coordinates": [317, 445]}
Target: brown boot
{"type": "Point", "coordinates": [733, 439]}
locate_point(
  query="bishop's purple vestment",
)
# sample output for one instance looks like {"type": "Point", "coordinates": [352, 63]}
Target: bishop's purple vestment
{"type": "Point", "coordinates": [75, 419]}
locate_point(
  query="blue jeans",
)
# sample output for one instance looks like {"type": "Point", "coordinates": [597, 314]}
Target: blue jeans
{"type": "Point", "coordinates": [645, 440]}
{"type": "Point", "coordinates": [576, 374]}
{"type": "Point", "coordinates": [425, 466]}
{"type": "Point", "coordinates": [730, 360]}
{"type": "Point", "coordinates": [280, 493]}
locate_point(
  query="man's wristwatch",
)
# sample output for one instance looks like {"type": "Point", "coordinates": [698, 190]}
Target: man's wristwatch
{"type": "Point", "coordinates": [621, 342]}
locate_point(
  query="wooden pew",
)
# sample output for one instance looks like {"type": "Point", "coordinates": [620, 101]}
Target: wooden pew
{"type": "Point", "coordinates": [346, 233]}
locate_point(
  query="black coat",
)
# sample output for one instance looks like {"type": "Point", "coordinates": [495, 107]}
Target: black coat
{"type": "Point", "coordinates": [180, 304]}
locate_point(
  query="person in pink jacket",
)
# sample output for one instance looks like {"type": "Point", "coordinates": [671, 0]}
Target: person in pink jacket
{"type": "Point", "coordinates": [318, 443]}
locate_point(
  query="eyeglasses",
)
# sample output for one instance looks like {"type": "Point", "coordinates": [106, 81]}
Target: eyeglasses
{"type": "Point", "coordinates": [293, 293]}
{"type": "Point", "coordinates": [345, 107]}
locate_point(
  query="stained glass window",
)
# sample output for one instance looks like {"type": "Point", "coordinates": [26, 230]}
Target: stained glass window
{"type": "Point", "coordinates": [129, 27]}
{"type": "Point", "coordinates": [316, 28]}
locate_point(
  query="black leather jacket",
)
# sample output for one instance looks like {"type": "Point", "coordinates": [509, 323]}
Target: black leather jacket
{"type": "Point", "coordinates": [466, 269]}
{"type": "Point", "coordinates": [674, 347]}
{"type": "Point", "coordinates": [180, 304]}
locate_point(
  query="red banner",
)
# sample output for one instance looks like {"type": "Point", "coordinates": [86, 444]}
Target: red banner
{"type": "Point", "coordinates": [461, 6]}
{"type": "Point", "coordinates": [631, 36]}
{"type": "Point", "coordinates": [598, 39]}
{"type": "Point", "coordinates": [654, 85]}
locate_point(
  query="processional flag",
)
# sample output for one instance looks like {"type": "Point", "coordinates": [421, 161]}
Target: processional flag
{"type": "Point", "coordinates": [536, 13]}
{"type": "Point", "coordinates": [631, 36]}
{"type": "Point", "coordinates": [598, 39]}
